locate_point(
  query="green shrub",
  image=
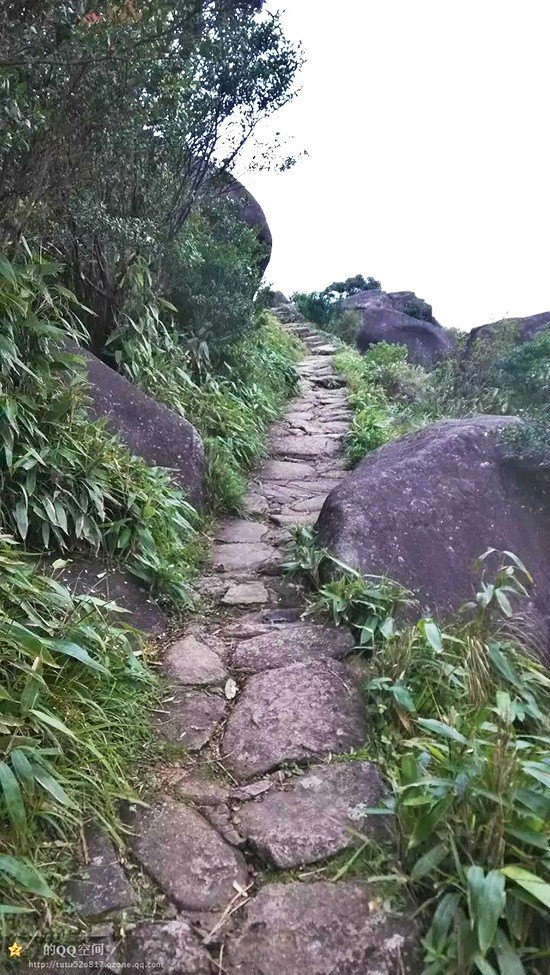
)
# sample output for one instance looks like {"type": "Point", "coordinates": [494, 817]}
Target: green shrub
{"type": "Point", "coordinates": [212, 275]}
{"type": "Point", "coordinates": [64, 482]}
{"type": "Point", "coordinates": [323, 307]}
{"type": "Point", "coordinates": [458, 722]}
{"type": "Point", "coordinates": [73, 721]}
{"type": "Point", "coordinates": [524, 374]}
{"type": "Point", "coordinates": [230, 407]}
{"type": "Point", "coordinates": [386, 394]}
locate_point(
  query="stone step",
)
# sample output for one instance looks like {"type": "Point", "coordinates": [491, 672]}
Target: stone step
{"type": "Point", "coordinates": [294, 713]}
{"type": "Point", "coordinates": [316, 815]}
{"type": "Point", "coordinates": [320, 929]}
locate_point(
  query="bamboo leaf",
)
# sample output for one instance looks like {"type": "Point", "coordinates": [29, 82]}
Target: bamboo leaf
{"type": "Point", "coordinates": [13, 798]}
{"type": "Point", "coordinates": [528, 881]}
{"type": "Point", "coordinates": [25, 875]}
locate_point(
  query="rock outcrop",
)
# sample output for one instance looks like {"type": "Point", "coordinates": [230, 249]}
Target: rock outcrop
{"type": "Point", "coordinates": [287, 312]}
{"type": "Point", "coordinates": [519, 329]}
{"type": "Point", "coordinates": [402, 318]}
{"type": "Point", "coordinates": [422, 508]}
{"type": "Point", "coordinates": [147, 427]}
{"type": "Point", "coordinates": [250, 213]}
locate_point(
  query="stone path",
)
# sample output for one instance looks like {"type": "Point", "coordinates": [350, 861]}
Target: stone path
{"type": "Point", "coordinates": [267, 701]}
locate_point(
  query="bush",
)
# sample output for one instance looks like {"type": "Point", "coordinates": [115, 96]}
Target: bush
{"type": "Point", "coordinates": [458, 722]}
{"type": "Point", "coordinates": [230, 408]}
{"type": "Point", "coordinates": [386, 395]}
{"type": "Point", "coordinates": [73, 720]}
{"type": "Point", "coordinates": [64, 482]}
{"type": "Point", "coordinates": [323, 307]}
{"type": "Point", "coordinates": [211, 278]}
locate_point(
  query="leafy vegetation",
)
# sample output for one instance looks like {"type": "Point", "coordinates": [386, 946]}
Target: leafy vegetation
{"type": "Point", "coordinates": [459, 723]}
{"type": "Point", "coordinates": [65, 482]}
{"type": "Point", "coordinates": [230, 406]}
{"type": "Point", "coordinates": [120, 122]}
{"type": "Point", "coordinates": [74, 705]}
{"type": "Point", "coordinates": [120, 229]}
{"type": "Point", "coordinates": [323, 307]}
{"type": "Point", "coordinates": [390, 396]}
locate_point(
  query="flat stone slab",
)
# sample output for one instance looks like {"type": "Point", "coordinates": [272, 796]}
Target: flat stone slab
{"type": "Point", "coordinates": [241, 532]}
{"type": "Point", "coordinates": [309, 504]}
{"type": "Point", "coordinates": [310, 818]}
{"type": "Point", "coordinates": [198, 788]}
{"type": "Point", "coordinates": [242, 557]}
{"type": "Point", "coordinates": [317, 484]}
{"type": "Point", "coordinates": [291, 644]}
{"type": "Point", "coordinates": [246, 594]}
{"type": "Point", "coordinates": [288, 518]}
{"type": "Point", "coordinates": [293, 713]}
{"type": "Point", "coordinates": [102, 886]}
{"type": "Point", "coordinates": [255, 504]}
{"type": "Point", "coordinates": [186, 857]}
{"type": "Point", "coordinates": [190, 661]}
{"type": "Point", "coordinates": [320, 929]}
{"type": "Point", "coordinates": [190, 718]}
{"type": "Point", "coordinates": [170, 947]}
{"type": "Point", "coordinates": [305, 446]}
{"type": "Point", "coordinates": [286, 470]}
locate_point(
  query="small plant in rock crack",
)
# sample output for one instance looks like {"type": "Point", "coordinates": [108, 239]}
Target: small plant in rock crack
{"type": "Point", "coordinates": [365, 603]}
{"type": "Point", "coordinates": [305, 557]}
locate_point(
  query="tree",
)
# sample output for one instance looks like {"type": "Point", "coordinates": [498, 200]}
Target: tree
{"type": "Point", "coordinates": [352, 286]}
{"type": "Point", "coordinates": [114, 116]}
{"type": "Point", "coordinates": [322, 307]}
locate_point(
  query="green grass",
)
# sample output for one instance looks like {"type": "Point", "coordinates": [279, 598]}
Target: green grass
{"type": "Point", "coordinates": [458, 723]}
{"type": "Point", "coordinates": [232, 408]}
{"type": "Point", "coordinates": [75, 701]}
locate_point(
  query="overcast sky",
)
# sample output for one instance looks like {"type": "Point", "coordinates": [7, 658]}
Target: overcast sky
{"type": "Point", "coordinates": [426, 124]}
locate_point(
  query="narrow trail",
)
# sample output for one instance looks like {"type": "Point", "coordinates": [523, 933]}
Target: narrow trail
{"type": "Point", "coordinates": [264, 703]}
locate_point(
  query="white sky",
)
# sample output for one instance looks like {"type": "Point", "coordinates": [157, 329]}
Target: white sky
{"type": "Point", "coordinates": [426, 124]}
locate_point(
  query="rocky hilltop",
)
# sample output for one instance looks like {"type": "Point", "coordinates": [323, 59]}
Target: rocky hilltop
{"type": "Point", "coordinates": [400, 317]}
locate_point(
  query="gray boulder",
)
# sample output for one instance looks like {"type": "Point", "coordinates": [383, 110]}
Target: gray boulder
{"type": "Point", "coordinates": [251, 213]}
{"type": "Point", "coordinates": [96, 578]}
{"type": "Point", "coordinates": [422, 508]}
{"type": "Point", "coordinates": [400, 317]}
{"type": "Point", "coordinates": [287, 313]}
{"type": "Point", "coordinates": [519, 329]}
{"type": "Point", "coordinates": [146, 426]}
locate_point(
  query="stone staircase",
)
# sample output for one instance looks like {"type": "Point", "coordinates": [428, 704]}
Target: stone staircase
{"type": "Point", "coordinates": [267, 712]}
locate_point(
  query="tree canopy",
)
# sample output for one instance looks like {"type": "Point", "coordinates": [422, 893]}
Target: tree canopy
{"type": "Point", "coordinates": [115, 115]}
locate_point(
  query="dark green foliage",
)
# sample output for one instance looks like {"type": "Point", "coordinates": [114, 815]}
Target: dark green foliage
{"type": "Point", "coordinates": [417, 308]}
{"type": "Point", "coordinates": [352, 286]}
{"type": "Point", "coordinates": [116, 117]}
{"type": "Point", "coordinates": [322, 307]}
{"type": "Point", "coordinates": [458, 721]}
{"type": "Point", "coordinates": [214, 278]}
{"type": "Point", "coordinates": [65, 482]}
{"type": "Point", "coordinates": [73, 717]}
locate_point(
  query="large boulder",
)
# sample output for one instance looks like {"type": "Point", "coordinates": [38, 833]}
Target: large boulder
{"type": "Point", "coordinates": [287, 313]}
{"type": "Point", "coordinates": [422, 508]}
{"type": "Point", "coordinates": [400, 317]}
{"type": "Point", "coordinates": [147, 427]}
{"type": "Point", "coordinates": [251, 213]}
{"type": "Point", "coordinates": [404, 301]}
{"type": "Point", "coordinates": [518, 329]}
